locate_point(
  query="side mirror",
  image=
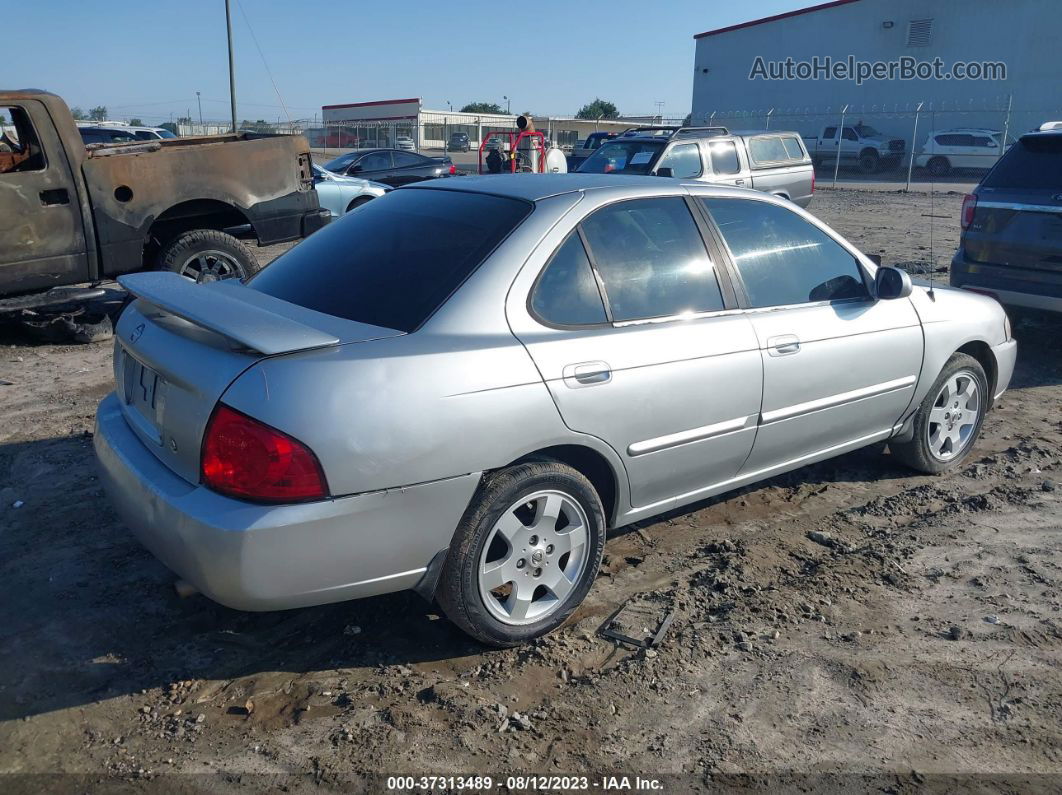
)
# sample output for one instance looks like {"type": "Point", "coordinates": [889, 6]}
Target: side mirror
{"type": "Point", "coordinates": [664, 172]}
{"type": "Point", "coordinates": [891, 283]}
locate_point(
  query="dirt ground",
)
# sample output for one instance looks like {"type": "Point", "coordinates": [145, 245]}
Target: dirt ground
{"type": "Point", "coordinates": [846, 626]}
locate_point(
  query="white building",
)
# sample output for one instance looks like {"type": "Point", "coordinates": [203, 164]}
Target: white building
{"type": "Point", "coordinates": [783, 71]}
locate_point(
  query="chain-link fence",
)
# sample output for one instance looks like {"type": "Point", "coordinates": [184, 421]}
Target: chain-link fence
{"type": "Point", "coordinates": [913, 143]}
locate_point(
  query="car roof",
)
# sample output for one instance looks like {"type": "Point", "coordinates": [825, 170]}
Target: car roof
{"type": "Point", "coordinates": [536, 187]}
{"type": "Point", "coordinates": [1043, 134]}
{"type": "Point", "coordinates": [966, 130]}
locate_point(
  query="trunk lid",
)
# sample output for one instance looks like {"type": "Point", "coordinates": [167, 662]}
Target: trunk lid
{"type": "Point", "coordinates": [180, 345]}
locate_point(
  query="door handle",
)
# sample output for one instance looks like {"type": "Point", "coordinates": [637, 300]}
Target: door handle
{"type": "Point", "coordinates": [587, 374]}
{"type": "Point", "coordinates": [783, 345]}
{"type": "Point", "coordinates": [739, 182]}
{"type": "Point", "coordinates": [54, 196]}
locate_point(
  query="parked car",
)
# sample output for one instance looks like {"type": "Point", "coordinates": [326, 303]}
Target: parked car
{"type": "Point", "coordinates": [448, 391]}
{"type": "Point", "coordinates": [459, 142]}
{"type": "Point", "coordinates": [774, 162]}
{"type": "Point", "coordinates": [1011, 244]}
{"type": "Point", "coordinates": [405, 143]}
{"type": "Point", "coordinates": [586, 147]}
{"type": "Point", "coordinates": [859, 145]}
{"type": "Point", "coordinates": [391, 166]}
{"type": "Point", "coordinates": [151, 133]}
{"type": "Point", "coordinates": [339, 195]}
{"type": "Point", "coordinates": [106, 135]}
{"type": "Point", "coordinates": [86, 214]}
{"type": "Point", "coordinates": [967, 147]}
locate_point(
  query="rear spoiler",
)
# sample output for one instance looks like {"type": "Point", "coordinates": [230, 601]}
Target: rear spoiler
{"type": "Point", "coordinates": [227, 308]}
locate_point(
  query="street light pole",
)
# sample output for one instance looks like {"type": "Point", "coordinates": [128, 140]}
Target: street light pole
{"type": "Point", "coordinates": [232, 67]}
{"type": "Point", "coordinates": [200, 101]}
{"type": "Point", "coordinates": [508, 105]}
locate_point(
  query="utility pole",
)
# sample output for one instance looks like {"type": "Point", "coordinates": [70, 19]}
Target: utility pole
{"type": "Point", "coordinates": [200, 101]}
{"type": "Point", "coordinates": [508, 105]}
{"type": "Point", "coordinates": [232, 66]}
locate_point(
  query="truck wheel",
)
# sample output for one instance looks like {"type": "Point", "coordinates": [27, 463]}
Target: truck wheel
{"type": "Point", "coordinates": [939, 166]}
{"type": "Point", "coordinates": [207, 255]}
{"type": "Point", "coordinates": [948, 422]}
{"type": "Point", "coordinates": [525, 553]}
{"type": "Point", "coordinates": [868, 162]}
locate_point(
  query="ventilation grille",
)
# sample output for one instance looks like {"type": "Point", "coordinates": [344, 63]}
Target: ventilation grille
{"type": "Point", "coordinates": [919, 32]}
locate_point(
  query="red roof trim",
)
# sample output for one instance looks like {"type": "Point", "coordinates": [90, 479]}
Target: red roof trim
{"type": "Point", "coordinates": [775, 18]}
{"type": "Point", "coordinates": [371, 118]}
{"type": "Point", "coordinates": [369, 104]}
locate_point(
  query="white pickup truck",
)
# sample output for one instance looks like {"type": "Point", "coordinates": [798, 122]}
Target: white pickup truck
{"type": "Point", "coordinates": [859, 145]}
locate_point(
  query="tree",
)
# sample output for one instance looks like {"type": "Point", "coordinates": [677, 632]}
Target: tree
{"type": "Point", "coordinates": [98, 113]}
{"type": "Point", "coordinates": [598, 109]}
{"type": "Point", "coordinates": [135, 122]}
{"type": "Point", "coordinates": [184, 119]}
{"type": "Point", "coordinates": [77, 112]}
{"type": "Point", "coordinates": [482, 107]}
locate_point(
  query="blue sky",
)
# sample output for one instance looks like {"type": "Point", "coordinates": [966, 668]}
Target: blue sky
{"type": "Point", "coordinates": [149, 59]}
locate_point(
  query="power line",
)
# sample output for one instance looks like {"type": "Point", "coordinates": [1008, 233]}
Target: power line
{"type": "Point", "coordinates": [264, 62]}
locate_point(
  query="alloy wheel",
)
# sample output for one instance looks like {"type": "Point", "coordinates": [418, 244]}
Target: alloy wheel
{"type": "Point", "coordinates": [210, 266]}
{"type": "Point", "coordinates": [954, 416]}
{"type": "Point", "coordinates": [534, 557]}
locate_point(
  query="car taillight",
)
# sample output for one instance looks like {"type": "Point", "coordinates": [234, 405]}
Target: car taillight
{"type": "Point", "coordinates": [245, 458]}
{"type": "Point", "coordinates": [969, 205]}
{"type": "Point", "coordinates": [453, 169]}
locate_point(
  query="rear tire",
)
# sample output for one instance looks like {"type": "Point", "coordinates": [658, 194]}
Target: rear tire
{"type": "Point", "coordinates": [525, 553]}
{"type": "Point", "coordinates": [207, 255]}
{"type": "Point", "coordinates": [948, 422]}
{"type": "Point", "coordinates": [939, 166]}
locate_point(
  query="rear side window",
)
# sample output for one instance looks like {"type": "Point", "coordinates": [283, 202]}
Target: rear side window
{"type": "Point", "coordinates": [767, 150]}
{"type": "Point", "coordinates": [566, 293]}
{"type": "Point", "coordinates": [783, 259]}
{"type": "Point", "coordinates": [1033, 163]}
{"type": "Point", "coordinates": [651, 259]}
{"type": "Point", "coordinates": [793, 149]}
{"type": "Point", "coordinates": [724, 157]}
{"type": "Point", "coordinates": [405, 159]}
{"type": "Point", "coordinates": [396, 260]}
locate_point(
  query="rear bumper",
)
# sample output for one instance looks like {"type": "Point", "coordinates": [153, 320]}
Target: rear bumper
{"type": "Point", "coordinates": [1009, 286]}
{"type": "Point", "coordinates": [315, 220]}
{"type": "Point", "coordinates": [266, 557]}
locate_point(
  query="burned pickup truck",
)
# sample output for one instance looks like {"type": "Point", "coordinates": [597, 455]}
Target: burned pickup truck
{"type": "Point", "coordinates": [75, 215]}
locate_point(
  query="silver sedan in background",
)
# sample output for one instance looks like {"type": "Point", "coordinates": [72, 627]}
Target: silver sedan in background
{"type": "Point", "coordinates": [461, 387]}
{"type": "Point", "coordinates": [340, 194]}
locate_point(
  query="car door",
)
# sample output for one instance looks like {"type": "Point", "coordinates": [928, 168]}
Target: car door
{"type": "Point", "coordinates": [635, 332]}
{"type": "Point", "coordinates": [683, 160]}
{"type": "Point", "coordinates": [839, 367]}
{"type": "Point", "coordinates": [729, 163]}
{"type": "Point", "coordinates": [410, 167]}
{"type": "Point", "coordinates": [375, 166]}
{"type": "Point", "coordinates": [984, 152]}
{"type": "Point", "coordinates": [42, 235]}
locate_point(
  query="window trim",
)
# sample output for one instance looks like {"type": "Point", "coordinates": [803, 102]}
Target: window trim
{"type": "Point", "coordinates": [744, 300]}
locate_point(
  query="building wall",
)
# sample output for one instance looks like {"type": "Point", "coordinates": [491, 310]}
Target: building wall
{"type": "Point", "coordinates": [1020, 33]}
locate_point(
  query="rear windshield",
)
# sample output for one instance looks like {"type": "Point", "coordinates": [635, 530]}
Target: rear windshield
{"type": "Point", "coordinates": [629, 157]}
{"type": "Point", "coordinates": [1032, 163]}
{"type": "Point", "coordinates": [393, 261]}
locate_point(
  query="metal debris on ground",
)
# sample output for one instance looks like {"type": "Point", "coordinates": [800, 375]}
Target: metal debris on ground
{"type": "Point", "coordinates": [638, 622]}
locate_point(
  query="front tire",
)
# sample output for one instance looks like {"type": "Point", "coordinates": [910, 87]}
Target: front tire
{"type": "Point", "coordinates": [869, 162]}
{"type": "Point", "coordinates": [207, 255]}
{"type": "Point", "coordinates": [525, 553]}
{"type": "Point", "coordinates": [949, 420]}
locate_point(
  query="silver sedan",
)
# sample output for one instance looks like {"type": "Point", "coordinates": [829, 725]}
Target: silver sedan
{"type": "Point", "coordinates": [461, 387]}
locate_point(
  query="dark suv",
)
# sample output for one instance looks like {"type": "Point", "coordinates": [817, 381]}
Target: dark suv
{"type": "Point", "coordinates": [1011, 246]}
{"type": "Point", "coordinates": [458, 143]}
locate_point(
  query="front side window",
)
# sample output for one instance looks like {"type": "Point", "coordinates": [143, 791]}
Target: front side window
{"type": "Point", "coordinates": [566, 293]}
{"type": "Point", "coordinates": [396, 260]}
{"type": "Point", "coordinates": [684, 161]}
{"type": "Point", "coordinates": [783, 259]}
{"type": "Point", "coordinates": [652, 260]}
{"type": "Point", "coordinates": [724, 157]}
{"type": "Point", "coordinates": [20, 148]}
